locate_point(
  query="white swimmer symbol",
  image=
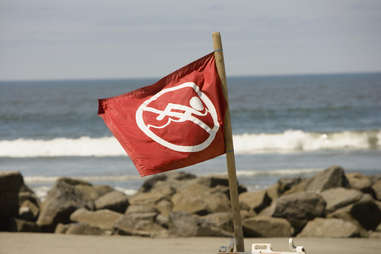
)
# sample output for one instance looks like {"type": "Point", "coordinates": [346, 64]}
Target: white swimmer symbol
{"type": "Point", "coordinates": [180, 113]}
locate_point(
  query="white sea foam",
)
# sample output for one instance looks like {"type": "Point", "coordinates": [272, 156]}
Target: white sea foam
{"type": "Point", "coordinates": [288, 141]}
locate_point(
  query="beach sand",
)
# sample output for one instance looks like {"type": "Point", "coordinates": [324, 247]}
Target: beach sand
{"type": "Point", "coordinates": [30, 243]}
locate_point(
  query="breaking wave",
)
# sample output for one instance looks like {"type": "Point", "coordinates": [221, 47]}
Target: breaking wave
{"type": "Point", "coordinates": [286, 142]}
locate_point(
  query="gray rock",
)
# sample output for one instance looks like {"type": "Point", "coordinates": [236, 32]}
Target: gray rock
{"type": "Point", "coordinates": [138, 224]}
{"type": "Point", "coordinates": [221, 220]}
{"type": "Point", "coordinates": [28, 211]}
{"type": "Point", "coordinates": [103, 219]}
{"type": "Point", "coordinates": [320, 227]}
{"type": "Point", "coordinates": [83, 229]}
{"type": "Point", "coordinates": [285, 184]}
{"type": "Point", "coordinates": [377, 189]}
{"type": "Point", "coordinates": [141, 209]}
{"type": "Point", "coordinates": [103, 189]}
{"type": "Point", "coordinates": [115, 201]}
{"type": "Point", "coordinates": [332, 177]}
{"type": "Point", "coordinates": [267, 227]}
{"type": "Point", "coordinates": [187, 225]}
{"type": "Point", "coordinates": [366, 212]}
{"type": "Point", "coordinates": [62, 200]}
{"type": "Point", "coordinates": [339, 197]}
{"type": "Point", "coordinates": [256, 201]}
{"type": "Point", "coordinates": [61, 228]}
{"type": "Point", "coordinates": [359, 182]}
{"type": "Point", "coordinates": [299, 208]}
{"type": "Point", "coordinates": [19, 225]}
{"type": "Point", "coordinates": [10, 185]}
{"type": "Point", "coordinates": [173, 179]}
{"type": "Point", "coordinates": [152, 198]}
{"type": "Point", "coordinates": [199, 199]}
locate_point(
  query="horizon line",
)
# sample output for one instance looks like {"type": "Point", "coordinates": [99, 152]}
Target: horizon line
{"type": "Point", "coordinates": [157, 78]}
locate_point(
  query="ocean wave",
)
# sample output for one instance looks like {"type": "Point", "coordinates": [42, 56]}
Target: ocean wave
{"type": "Point", "coordinates": [250, 143]}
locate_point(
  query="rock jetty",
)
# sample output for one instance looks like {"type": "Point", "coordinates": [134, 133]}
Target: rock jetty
{"type": "Point", "coordinates": [330, 204]}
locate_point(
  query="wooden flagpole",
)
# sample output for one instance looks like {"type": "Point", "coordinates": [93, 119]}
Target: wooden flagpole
{"type": "Point", "coordinates": [230, 159]}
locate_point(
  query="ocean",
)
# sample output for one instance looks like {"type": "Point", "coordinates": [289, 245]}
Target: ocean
{"type": "Point", "coordinates": [283, 126]}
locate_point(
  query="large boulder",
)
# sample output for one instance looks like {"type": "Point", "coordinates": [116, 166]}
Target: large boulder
{"type": "Point", "coordinates": [197, 198]}
{"type": "Point", "coordinates": [255, 201]}
{"type": "Point", "coordinates": [332, 177]}
{"type": "Point", "coordinates": [340, 197]}
{"type": "Point", "coordinates": [320, 227]}
{"type": "Point", "coordinates": [63, 199]}
{"type": "Point", "coordinates": [103, 219]}
{"type": "Point", "coordinates": [83, 229]}
{"type": "Point", "coordinates": [13, 193]}
{"type": "Point", "coordinates": [115, 201]}
{"type": "Point", "coordinates": [365, 213]}
{"type": "Point", "coordinates": [153, 197]}
{"type": "Point", "coordinates": [221, 220]}
{"type": "Point", "coordinates": [19, 225]}
{"type": "Point", "coordinates": [377, 189]}
{"type": "Point", "coordinates": [29, 211]}
{"type": "Point", "coordinates": [139, 224]}
{"type": "Point", "coordinates": [285, 184]}
{"type": "Point", "coordinates": [175, 179]}
{"type": "Point", "coordinates": [360, 182]}
{"type": "Point", "coordinates": [188, 225]}
{"type": "Point", "coordinates": [299, 208]}
{"type": "Point", "coordinates": [261, 226]}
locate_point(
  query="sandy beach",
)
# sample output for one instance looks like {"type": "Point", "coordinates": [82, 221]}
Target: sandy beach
{"type": "Point", "coordinates": [30, 243]}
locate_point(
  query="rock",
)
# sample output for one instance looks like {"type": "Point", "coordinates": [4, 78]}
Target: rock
{"type": "Point", "coordinates": [187, 225]}
{"type": "Point", "coordinates": [115, 201]}
{"type": "Point", "coordinates": [173, 179]}
{"type": "Point", "coordinates": [221, 220]}
{"type": "Point", "coordinates": [256, 201]}
{"type": "Point", "coordinates": [164, 207]}
{"type": "Point", "coordinates": [214, 181]}
{"type": "Point", "coordinates": [377, 189]}
{"type": "Point", "coordinates": [332, 177]}
{"type": "Point", "coordinates": [103, 219]}
{"type": "Point", "coordinates": [61, 228]}
{"type": "Point", "coordinates": [103, 189]}
{"type": "Point", "coordinates": [366, 212]}
{"type": "Point", "coordinates": [360, 182]}
{"type": "Point", "coordinates": [375, 235]}
{"type": "Point", "coordinates": [139, 224]}
{"type": "Point", "coordinates": [299, 208]}
{"type": "Point", "coordinates": [163, 221]}
{"type": "Point", "coordinates": [28, 211]}
{"type": "Point", "coordinates": [83, 229]}
{"type": "Point", "coordinates": [141, 209]}
{"type": "Point", "coordinates": [62, 200]}
{"type": "Point", "coordinates": [152, 198]}
{"type": "Point", "coordinates": [261, 226]}
{"type": "Point", "coordinates": [320, 227]}
{"type": "Point", "coordinates": [11, 183]}
{"type": "Point", "coordinates": [272, 191]}
{"type": "Point", "coordinates": [285, 184]}
{"type": "Point", "coordinates": [199, 199]}
{"type": "Point", "coordinates": [18, 225]}
{"type": "Point", "coordinates": [340, 197]}
{"type": "Point", "coordinates": [299, 187]}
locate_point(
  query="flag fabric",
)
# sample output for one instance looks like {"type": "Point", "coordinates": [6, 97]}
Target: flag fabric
{"type": "Point", "coordinates": [174, 123]}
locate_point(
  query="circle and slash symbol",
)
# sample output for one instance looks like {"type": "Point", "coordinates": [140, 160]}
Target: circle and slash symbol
{"type": "Point", "coordinates": [180, 113]}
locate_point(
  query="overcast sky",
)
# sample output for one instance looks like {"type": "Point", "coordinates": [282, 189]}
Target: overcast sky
{"type": "Point", "coordinates": [70, 39]}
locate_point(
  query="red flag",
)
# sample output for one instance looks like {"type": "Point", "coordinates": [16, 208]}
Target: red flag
{"type": "Point", "coordinates": [174, 123]}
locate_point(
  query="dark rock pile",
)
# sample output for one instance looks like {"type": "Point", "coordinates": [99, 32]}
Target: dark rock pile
{"type": "Point", "coordinates": [330, 204]}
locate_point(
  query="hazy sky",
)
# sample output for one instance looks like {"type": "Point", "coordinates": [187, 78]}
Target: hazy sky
{"type": "Point", "coordinates": [69, 39]}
